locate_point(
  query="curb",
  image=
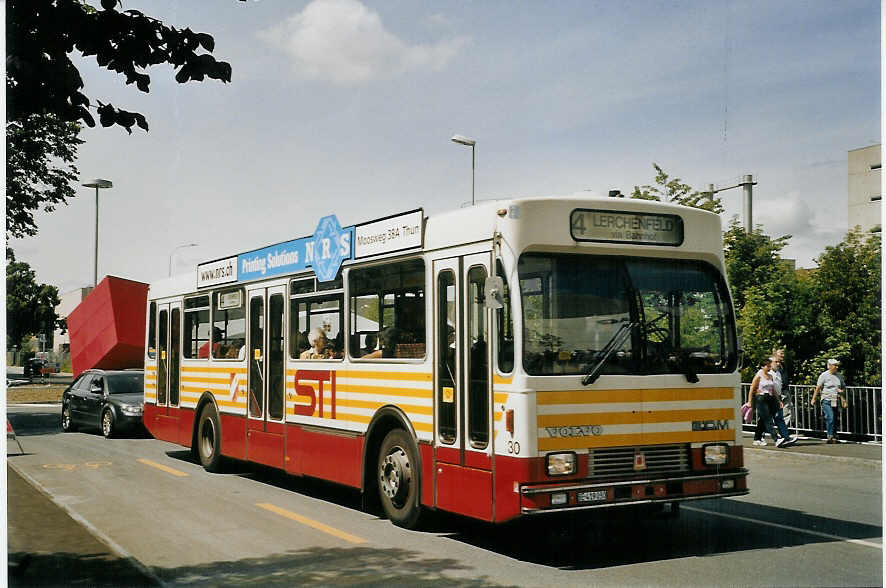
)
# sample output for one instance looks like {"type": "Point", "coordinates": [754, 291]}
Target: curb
{"type": "Point", "coordinates": [92, 530]}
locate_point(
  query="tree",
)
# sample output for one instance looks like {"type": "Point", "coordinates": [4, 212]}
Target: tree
{"type": "Point", "coordinates": [846, 289]}
{"type": "Point", "coordinates": [675, 191]}
{"type": "Point", "coordinates": [751, 260]}
{"type": "Point", "coordinates": [44, 90]}
{"type": "Point", "coordinates": [30, 307]}
{"type": "Point", "coordinates": [40, 154]}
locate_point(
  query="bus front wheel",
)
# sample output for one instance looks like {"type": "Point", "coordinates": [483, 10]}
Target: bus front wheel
{"type": "Point", "coordinates": [209, 439]}
{"type": "Point", "coordinates": [398, 479]}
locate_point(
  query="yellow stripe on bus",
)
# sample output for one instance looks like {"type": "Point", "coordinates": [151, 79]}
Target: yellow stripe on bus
{"type": "Point", "coordinates": [374, 405]}
{"type": "Point", "coordinates": [500, 397]}
{"type": "Point", "coordinates": [636, 417]}
{"type": "Point", "coordinates": [642, 395]}
{"type": "Point", "coordinates": [234, 367]}
{"type": "Point", "coordinates": [496, 379]}
{"type": "Point", "coordinates": [410, 392]}
{"type": "Point", "coordinates": [359, 418]}
{"type": "Point", "coordinates": [556, 443]}
{"type": "Point", "coordinates": [378, 375]}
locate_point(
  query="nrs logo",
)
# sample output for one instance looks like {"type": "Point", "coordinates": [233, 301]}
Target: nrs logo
{"type": "Point", "coordinates": [710, 425]}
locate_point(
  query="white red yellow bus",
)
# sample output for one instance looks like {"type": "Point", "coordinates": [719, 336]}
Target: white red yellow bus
{"type": "Point", "coordinates": [514, 358]}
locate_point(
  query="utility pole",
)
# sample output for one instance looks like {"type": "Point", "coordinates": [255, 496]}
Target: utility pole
{"type": "Point", "coordinates": [747, 184]}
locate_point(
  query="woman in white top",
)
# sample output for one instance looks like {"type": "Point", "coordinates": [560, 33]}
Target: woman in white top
{"type": "Point", "coordinates": [762, 397]}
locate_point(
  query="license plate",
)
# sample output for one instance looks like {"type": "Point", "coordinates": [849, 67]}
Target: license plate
{"type": "Point", "coordinates": [593, 495]}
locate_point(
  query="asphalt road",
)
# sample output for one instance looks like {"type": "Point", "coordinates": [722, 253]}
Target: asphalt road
{"type": "Point", "coordinates": [810, 520]}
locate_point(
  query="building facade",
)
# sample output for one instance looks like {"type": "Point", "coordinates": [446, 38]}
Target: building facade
{"type": "Point", "coordinates": [865, 188]}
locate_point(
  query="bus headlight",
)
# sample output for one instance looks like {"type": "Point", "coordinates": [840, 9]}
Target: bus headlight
{"type": "Point", "coordinates": [560, 464]}
{"type": "Point", "coordinates": [716, 454]}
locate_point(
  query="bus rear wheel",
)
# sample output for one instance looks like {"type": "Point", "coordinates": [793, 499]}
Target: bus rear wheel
{"type": "Point", "coordinates": [398, 479]}
{"type": "Point", "coordinates": [209, 440]}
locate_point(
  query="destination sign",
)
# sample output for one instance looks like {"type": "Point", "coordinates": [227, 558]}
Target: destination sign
{"type": "Point", "coordinates": [611, 226]}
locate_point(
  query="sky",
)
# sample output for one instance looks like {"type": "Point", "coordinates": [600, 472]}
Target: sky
{"type": "Point", "coordinates": [347, 107]}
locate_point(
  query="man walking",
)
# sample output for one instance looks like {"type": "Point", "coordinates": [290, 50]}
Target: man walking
{"type": "Point", "coordinates": [832, 389]}
{"type": "Point", "coordinates": [783, 387]}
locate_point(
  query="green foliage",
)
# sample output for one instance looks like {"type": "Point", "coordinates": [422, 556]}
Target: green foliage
{"type": "Point", "coordinates": [30, 307]}
{"type": "Point", "coordinates": [42, 79]}
{"type": "Point", "coordinates": [751, 260]}
{"type": "Point", "coordinates": [45, 102]}
{"type": "Point", "coordinates": [40, 155]}
{"type": "Point", "coordinates": [847, 287]}
{"type": "Point", "coordinates": [675, 191]}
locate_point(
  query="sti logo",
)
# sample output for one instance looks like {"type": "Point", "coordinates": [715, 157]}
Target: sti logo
{"type": "Point", "coordinates": [710, 425]}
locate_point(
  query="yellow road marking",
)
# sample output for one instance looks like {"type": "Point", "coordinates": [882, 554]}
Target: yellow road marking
{"type": "Point", "coordinates": [162, 467]}
{"type": "Point", "coordinates": [310, 523]}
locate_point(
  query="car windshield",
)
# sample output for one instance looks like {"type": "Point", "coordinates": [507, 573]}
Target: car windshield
{"type": "Point", "coordinates": [133, 383]}
{"type": "Point", "coordinates": [678, 313]}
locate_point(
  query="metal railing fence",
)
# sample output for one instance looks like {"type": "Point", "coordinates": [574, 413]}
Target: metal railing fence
{"type": "Point", "coordinates": [862, 419]}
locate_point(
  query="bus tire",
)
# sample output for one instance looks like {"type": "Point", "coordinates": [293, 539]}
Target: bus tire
{"type": "Point", "coordinates": [209, 440]}
{"type": "Point", "coordinates": [398, 479]}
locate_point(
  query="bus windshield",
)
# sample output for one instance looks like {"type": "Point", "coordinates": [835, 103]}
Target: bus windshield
{"type": "Point", "coordinates": [677, 311]}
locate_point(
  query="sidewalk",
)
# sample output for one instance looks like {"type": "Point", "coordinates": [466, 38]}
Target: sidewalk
{"type": "Point", "coordinates": [814, 448]}
{"type": "Point", "coordinates": [46, 547]}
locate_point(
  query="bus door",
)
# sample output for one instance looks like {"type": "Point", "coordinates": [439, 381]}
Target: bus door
{"type": "Point", "coordinates": [462, 387]}
{"type": "Point", "coordinates": [166, 416]}
{"type": "Point", "coordinates": [266, 376]}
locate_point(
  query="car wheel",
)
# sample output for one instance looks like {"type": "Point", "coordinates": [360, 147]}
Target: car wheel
{"type": "Point", "coordinates": [398, 479]}
{"type": "Point", "coordinates": [67, 423]}
{"type": "Point", "coordinates": [209, 440]}
{"type": "Point", "coordinates": [108, 423]}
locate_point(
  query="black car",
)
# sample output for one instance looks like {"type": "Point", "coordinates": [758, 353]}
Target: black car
{"type": "Point", "coordinates": [113, 401]}
{"type": "Point", "coordinates": [34, 367]}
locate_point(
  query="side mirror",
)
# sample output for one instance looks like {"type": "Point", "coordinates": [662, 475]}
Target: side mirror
{"type": "Point", "coordinates": [95, 389]}
{"type": "Point", "coordinates": [493, 290]}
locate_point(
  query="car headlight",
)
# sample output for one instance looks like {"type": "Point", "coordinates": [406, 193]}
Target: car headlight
{"type": "Point", "coordinates": [716, 454]}
{"type": "Point", "coordinates": [560, 464]}
{"type": "Point", "coordinates": [131, 409]}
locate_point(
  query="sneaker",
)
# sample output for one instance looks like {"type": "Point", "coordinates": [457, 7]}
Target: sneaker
{"type": "Point", "coordinates": [781, 441]}
{"type": "Point", "coordinates": [789, 441]}
{"type": "Point", "coordinates": [760, 442]}
{"type": "Point", "coordinates": [831, 440]}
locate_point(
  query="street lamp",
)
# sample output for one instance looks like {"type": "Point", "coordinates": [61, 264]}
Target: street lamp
{"type": "Point", "coordinates": [176, 249]}
{"type": "Point", "coordinates": [97, 183]}
{"type": "Point", "coordinates": [470, 143]}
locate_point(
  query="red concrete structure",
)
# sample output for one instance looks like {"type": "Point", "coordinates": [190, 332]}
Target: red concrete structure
{"type": "Point", "coordinates": [107, 329]}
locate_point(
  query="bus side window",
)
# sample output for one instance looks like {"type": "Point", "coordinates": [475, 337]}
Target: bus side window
{"type": "Point", "coordinates": [505, 327]}
{"type": "Point", "coordinates": [388, 311]}
{"type": "Point", "coordinates": [196, 328]}
{"type": "Point", "coordinates": [319, 311]}
{"type": "Point", "coordinates": [152, 331]}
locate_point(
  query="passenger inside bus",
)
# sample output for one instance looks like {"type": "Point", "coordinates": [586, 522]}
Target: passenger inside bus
{"type": "Point", "coordinates": [388, 339]}
{"type": "Point", "coordinates": [370, 344]}
{"type": "Point", "coordinates": [236, 350]}
{"type": "Point", "coordinates": [318, 349]}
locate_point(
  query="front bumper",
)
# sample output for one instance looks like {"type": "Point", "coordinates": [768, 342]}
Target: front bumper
{"type": "Point", "coordinates": [544, 498]}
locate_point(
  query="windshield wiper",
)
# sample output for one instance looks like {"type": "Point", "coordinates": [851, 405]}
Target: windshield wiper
{"type": "Point", "coordinates": [604, 354]}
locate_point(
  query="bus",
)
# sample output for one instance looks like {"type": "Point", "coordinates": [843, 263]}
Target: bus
{"type": "Point", "coordinates": [512, 359]}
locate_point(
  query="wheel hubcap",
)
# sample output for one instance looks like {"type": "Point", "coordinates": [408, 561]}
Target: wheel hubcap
{"type": "Point", "coordinates": [207, 438]}
{"type": "Point", "coordinates": [106, 423]}
{"type": "Point", "coordinates": [66, 417]}
{"type": "Point", "coordinates": [395, 475]}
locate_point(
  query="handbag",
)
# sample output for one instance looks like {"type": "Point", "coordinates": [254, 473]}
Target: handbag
{"type": "Point", "coordinates": [747, 413]}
